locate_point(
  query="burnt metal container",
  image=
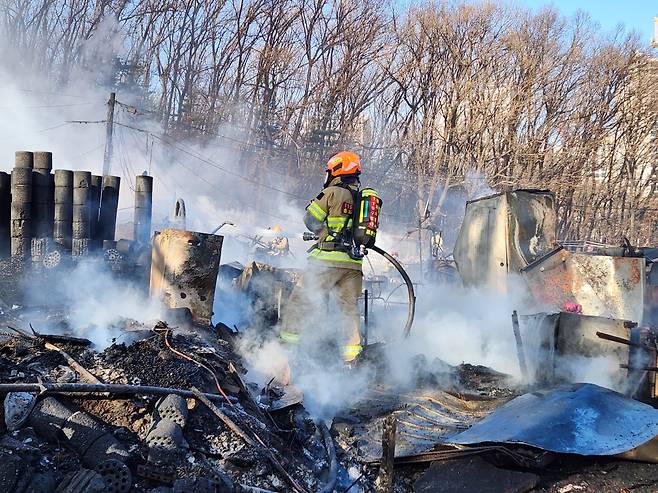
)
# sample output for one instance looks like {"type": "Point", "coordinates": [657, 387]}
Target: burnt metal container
{"type": "Point", "coordinates": [184, 268]}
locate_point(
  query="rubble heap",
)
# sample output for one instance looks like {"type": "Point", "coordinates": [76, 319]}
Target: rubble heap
{"type": "Point", "coordinates": [114, 441]}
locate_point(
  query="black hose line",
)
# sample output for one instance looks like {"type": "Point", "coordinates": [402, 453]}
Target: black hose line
{"type": "Point", "coordinates": [407, 281]}
{"type": "Point", "coordinates": [330, 486]}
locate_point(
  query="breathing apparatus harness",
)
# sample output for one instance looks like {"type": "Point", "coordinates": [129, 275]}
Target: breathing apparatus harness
{"type": "Point", "coordinates": [358, 239]}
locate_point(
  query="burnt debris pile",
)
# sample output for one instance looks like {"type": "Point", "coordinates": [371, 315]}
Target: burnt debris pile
{"type": "Point", "coordinates": [115, 377]}
{"type": "Point", "coordinates": [169, 413]}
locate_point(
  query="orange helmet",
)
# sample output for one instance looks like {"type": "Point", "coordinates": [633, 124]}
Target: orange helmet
{"type": "Point", "coordinates": [345, 163]}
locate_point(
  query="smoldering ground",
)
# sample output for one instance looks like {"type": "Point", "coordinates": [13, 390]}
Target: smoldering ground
{"type": "Point", "coordinates": [454, 326]}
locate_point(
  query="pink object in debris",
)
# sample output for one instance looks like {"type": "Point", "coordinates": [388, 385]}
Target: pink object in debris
{"type": "Point", "coordinates": [573, 308]}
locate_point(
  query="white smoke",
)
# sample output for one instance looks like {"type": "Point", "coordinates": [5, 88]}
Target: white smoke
{"type": "Point", "coordinates": [97, 304]}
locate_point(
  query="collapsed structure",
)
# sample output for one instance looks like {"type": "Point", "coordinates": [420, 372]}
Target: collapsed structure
{"type": "Point", "coordinates": [165, 406]}
{"type": "Point", "coordinates": [596, 305]}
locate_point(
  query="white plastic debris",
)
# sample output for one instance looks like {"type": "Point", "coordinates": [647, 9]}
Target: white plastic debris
{"type": "Point", "coordinates": [18, 406]}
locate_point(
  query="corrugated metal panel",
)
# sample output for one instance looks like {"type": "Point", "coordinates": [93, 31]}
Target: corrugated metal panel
{"type": "Point", "coordinates": [424, 419]}
{"type": "Point", "coordinates": [579, 419]}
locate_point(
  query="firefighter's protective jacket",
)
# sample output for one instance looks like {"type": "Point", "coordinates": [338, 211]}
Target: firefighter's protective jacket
{"type": "Point", "coordinates": [329, 216]}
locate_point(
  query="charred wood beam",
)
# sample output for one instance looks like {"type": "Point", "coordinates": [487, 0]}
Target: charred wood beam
{"type": "Point", "coordinates": [621, 340]}
{"type": "Point", "coordinates": [259, 446]}
{"type": "Point", "coordinates": [384, 481]}
{"type": "Point", "coordinates": [333, 463]}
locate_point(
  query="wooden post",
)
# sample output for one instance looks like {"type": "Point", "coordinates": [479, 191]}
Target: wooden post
{"type": "Point", "coordinates": [109, 132]}
{"type": "Point", "coordinates": [384, 481]}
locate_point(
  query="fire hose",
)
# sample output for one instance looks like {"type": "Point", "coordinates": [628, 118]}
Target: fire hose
{"type": "Point", "coordinates": [411, 303]}
{"type": "Point", "coordinates": [410, 288]}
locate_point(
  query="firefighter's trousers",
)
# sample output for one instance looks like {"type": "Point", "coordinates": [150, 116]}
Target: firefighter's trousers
{"type": "Point", "coordinates": [323, 307]}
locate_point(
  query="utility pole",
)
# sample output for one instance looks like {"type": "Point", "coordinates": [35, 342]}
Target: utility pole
{"type": "Point", "coordinates": [109, 129]}
{"type": "Point", "coordinates": [420, 246]}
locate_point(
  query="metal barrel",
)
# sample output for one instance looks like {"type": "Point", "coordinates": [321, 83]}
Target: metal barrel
{"type": "Point", "coordinates": [81, 226]}
{"type": "Point", "coordinates": [143, 208]}
{"type": "Point", "coordinates": [63, 226]}
{"type": "Point", "coordinates": [109, 206]}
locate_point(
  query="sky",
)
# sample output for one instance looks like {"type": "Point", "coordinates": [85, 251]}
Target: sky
{"type": "Point", "coordinates": [633, 14]}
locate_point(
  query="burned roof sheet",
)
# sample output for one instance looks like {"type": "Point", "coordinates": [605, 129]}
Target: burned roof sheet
{"type": "Point", "coordinates": [582, 419]}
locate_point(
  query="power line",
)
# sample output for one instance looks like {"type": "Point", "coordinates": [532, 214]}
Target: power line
{"type": "Point", "coordinates": [201, 177]}
{"type": "Point", "coordinates": [166, 141]}
{"type": "Point", "coordinates": [208, 161]}
{"type": "Point", "coordinates": [43, 106]}
{"type": "Point", "coordinates": [47, 93]}
{"type": "Point", "coordinates": [42, 130]}
{"type": "Point", "coordinates": [89, 151]}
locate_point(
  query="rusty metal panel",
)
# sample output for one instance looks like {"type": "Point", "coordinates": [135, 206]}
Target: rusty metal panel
{"type": "Point", "coordinates": [564, 348]}
{"type": "Point", "coordinates": [503, 233]}
{"type": "Point", "coordinates": [604, 286]}
{"type": "Point", "coordinates": [184, 270]}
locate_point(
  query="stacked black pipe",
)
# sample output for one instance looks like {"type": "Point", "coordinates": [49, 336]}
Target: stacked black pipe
{"type": "Point", "coordinates": [5, 213]}
{"type": "Point", "coordinates": [44, 213]}
{"type": "Point", "coordinates": [109, 208]}
{"type": "Point", "coordinates": [21, 205]}
{"type": "Point", "coordinates": [63, 208]}
{"type": "Point", "coordinates": [143, 208]}
{"type": "Point", "coordinates": [95, 196]}
{"type": "Point", "coordinates": [81, 213]}
{"type": "Point", "coordinates": [43, 189]}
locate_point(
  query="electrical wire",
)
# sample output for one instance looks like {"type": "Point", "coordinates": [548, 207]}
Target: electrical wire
{"type": "Point", "coordinates": [47, 93]}
{"type": "Point", "coordinates": [166, 336]}
{"type": "Point", "coordinates": [122, 163]}
{"type": "Point", "coordinates": [385, 216]}
{"type": "Point", "coordinates": [205, 180]}
{"type": "Point", "coordinates": [43, 130]}
{"type": "Point", "coordinates": [45, 106]}
{"type": "Point", "coordinates": [89, 151]}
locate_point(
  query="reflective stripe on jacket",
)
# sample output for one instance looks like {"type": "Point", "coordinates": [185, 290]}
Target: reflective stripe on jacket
{"type": "Point", "coordinates": [329, 214]}
{"type": "Point", "coordinates": [349, 352]}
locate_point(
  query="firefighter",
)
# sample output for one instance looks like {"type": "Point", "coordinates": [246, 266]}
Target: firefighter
{"type": "Point", "coordinates": [326, 294]}
{"type": "Point", "coordinates": [279, 245]}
